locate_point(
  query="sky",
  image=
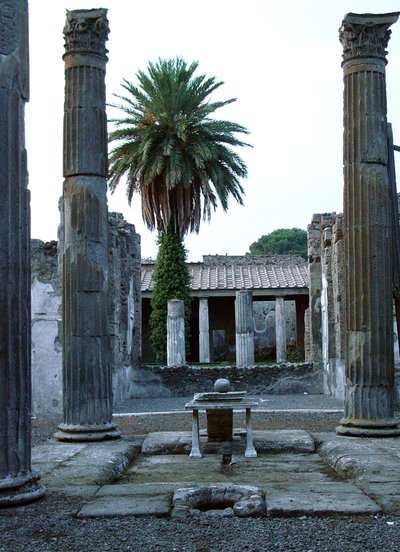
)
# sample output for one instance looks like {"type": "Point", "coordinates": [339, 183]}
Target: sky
{"type": "Point", "coordinates": [280, 59]}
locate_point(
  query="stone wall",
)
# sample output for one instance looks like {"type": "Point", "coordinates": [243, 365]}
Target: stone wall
{"type": "Point", "coordinates": [46, 329]}
{"type": "Point", "coordinates": [326, 315]}
{"type": "Point", "coordinates": [279, 379]}
{"type": "Point", "coordinates": [124, 317]}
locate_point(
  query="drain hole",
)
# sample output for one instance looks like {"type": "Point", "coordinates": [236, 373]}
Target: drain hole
{"type": "Point", "coordinates": [206, 506]}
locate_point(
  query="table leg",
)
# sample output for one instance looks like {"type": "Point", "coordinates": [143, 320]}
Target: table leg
{"type": "Point", "coordinates": [195, 452]}
{"type": "Point", "coordinates": [250, 451]}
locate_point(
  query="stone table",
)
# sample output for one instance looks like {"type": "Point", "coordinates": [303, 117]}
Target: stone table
{"type": "Point", "coordinates": [221, 405]}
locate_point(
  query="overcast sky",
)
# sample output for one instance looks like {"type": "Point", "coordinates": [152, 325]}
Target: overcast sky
{"type": "Point", "coordinates": [280, 59]}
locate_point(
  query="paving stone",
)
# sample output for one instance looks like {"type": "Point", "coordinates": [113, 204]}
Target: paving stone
{"type": "Point", "coordinates": [142, 489]}
{"type": "Point", "coordinates": [127, 506]}
{"type": "Point", "coordinates": [272, 441]}
{"type": "Point", "coordinates": [280, 503]}
{"type": "Point", "coordinates": [76, 490]}
{"type": "Point", "coordinates": [55, 452]}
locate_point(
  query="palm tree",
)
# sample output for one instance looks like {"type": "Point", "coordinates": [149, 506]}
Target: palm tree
{"type": "Point", "coordinates": [172, 152]}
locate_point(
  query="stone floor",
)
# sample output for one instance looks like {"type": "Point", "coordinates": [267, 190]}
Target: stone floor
{"type": "Point", "coordinates": [297, 473]}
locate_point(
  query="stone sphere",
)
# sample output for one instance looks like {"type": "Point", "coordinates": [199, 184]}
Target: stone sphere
{"type": "Point", "coordinates": [222, 385]}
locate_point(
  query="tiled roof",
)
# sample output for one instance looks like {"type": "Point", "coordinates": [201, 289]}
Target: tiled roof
{"type": "Point", "coordinates": [236, 273]}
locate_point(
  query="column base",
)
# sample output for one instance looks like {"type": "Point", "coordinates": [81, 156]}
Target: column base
{"type": "Point", "coordinates": [20, 489]}
{"type": "Point", "coordinates": [96, 432]}
{"type": "Point", "coordinates": [366, 428]}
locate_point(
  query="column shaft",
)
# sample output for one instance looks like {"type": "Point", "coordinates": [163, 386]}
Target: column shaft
{"type": "Point", "coordinates": [244, 319]}
{"type": "Point", "coordinates": [280, 329]}
{"type": "Point", "coordinates": [369, 392]}
{"type": "Point", "coordinates": [18, 482]}
{"type": "Point", "coordinates": [87, 383]}
{"type": "Point", "coordinates": [176, 333]}
{"type": "Point", "coordinates": [204, 332]}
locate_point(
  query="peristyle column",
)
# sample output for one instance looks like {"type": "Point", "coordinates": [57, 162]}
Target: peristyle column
{"type": "Point", "coordinates": [176, 333]}
{"type": "Point", "coordinates": [87, 385]}
{"type": "Point", "coordinates": [244, 319]}
{"type": "Point", "coordinates": [18, 482]}
{"type": "Point", "coordinates": [369, 392]}
{"type": "Point", "coordinates": [204, 332]}
{"type": "Point", "coordinates": [280, 329]}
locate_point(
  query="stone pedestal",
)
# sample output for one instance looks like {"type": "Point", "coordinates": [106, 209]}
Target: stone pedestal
{"type": "Point", "coordinates": [204, 332]}
{"type": "Point", "coordinates": [176, 333]}
{"type": "Point", "coordinates": [280, 329]}
{"type": "Point", "coordinates": [244, 319]}
{"type": "Point", "coordinates": [220, 425]}
{"type": "Point", "coordinates": [369, 391]}
{"type": "Point", "coordinates": [18, 482]}
{"type": "Point", "coordinates": [87, 385]}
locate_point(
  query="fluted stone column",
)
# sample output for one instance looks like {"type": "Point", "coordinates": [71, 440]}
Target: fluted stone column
{"type": "Point", "coordinates": [176, 333]}
{"type": "Point", "coordinates": [18, 482]}
{"type": "Point", "coordinates": [369, 392]}
{"type": "Point", "coordinates": [204, 331]}
{"type": "Point", "coordinates": [87, 386]}
{"type": "Point", "coordinates": [280, 329]}
{"type": "Point", "coordinates": [244, 319]}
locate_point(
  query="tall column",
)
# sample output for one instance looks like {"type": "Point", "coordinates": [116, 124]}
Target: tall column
{"type": "Point", "coordinates": [369, 392]}
{"type": "Point", "coordinates": [18, 482]}
{"type": "Point", "coordinates": [244, 319]}
{"type": "Point", "coordinates": [280, 329]}
{"type": "Point", "coordinates": [176, 333]}
{"type": "Point", "coordinates": [204, 331]}
{"type": "Point", "coordinates": [87, 386]}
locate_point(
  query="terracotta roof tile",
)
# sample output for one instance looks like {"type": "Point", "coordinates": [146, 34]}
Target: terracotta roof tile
{"type": "Point", "coordinates": [236, 273]}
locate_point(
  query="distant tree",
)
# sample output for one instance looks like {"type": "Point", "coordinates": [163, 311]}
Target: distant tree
{"type": "Point", "coordinates": [171, 281]}
{"type": "Point", "coordinates": [284, 241]}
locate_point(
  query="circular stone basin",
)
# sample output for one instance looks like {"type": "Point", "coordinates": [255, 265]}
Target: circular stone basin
{"type": "Point", "coordinates": [226, 500]}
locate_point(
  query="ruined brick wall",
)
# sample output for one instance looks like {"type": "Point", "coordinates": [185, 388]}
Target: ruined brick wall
{"type": "Point", "coordinates": [181, 381]}
{"type": "Point", "coordinates": [326, 314]}
{"type": "Point", "coordinates": [124, 316]}
{"type": "Point", "coordinates": [125, 319]}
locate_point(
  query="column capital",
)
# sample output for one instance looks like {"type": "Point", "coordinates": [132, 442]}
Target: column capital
{"type": "Point", "coordinates": [366, 35]}
{"type": "Point", "coordinates": [86, 32]}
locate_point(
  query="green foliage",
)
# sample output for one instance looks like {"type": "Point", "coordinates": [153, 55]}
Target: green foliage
{"type": "Point", "coordinates": [171, 151]}
{"type": "Point", "coordinates": [182, 162]}
{"type": "Point", "coordinates": [171, 281]}
{"type": "Point", "coordinates": [284, 241]}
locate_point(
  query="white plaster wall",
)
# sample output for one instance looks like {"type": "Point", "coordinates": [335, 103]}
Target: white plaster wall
{"type": "Point", "coordinates": [46, 351]}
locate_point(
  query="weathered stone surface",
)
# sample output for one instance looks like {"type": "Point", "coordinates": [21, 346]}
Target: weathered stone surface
{"type": "Point", "coordinates": [87, 381]}
{"type": "Point", "coordinates": [222, 500]}
{"type": "Point", "coordinates": [244, 322]}
{"type": "Point", "coordinates": [18, 482]}
{"type": "Point", "coordinates": [164, 381]}
{"type": "Point", "coordinates": [176, 355]}
{"type": "Point", "coordinates": [301, 502]}
{"type": "Point", "coordinates": [273, 441]}
{"type": "Point", "coordinates": [369, 393]}
{"type": "Point", "coordinates": [280, 326]}
{"type": "Point", "coordinates": [126, 506]}
{"type": "Point", "coordinates": [204, 331]}
{"type": "Point", "coordinates": [82, 464]}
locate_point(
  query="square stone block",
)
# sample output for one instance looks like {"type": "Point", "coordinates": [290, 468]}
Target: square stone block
{"type": "Point", "coordinates": [220, 425]}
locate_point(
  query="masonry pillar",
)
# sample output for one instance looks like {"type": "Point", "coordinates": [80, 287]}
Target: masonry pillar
{"type": "Point", "coordinates": [369, 391]}
{"type": "Point", "coordinates": [204, 332]}
{"type": "Point", "coordinates": [280, 329]}
{"type": "Point", "coordinates": [87, 384]}
{"type": "Point", "coordinates": [244, 319]}
{"type": "Point", "coordinates": [18, 482]}
{"type": "Point", "coordinates": [176, 333]}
